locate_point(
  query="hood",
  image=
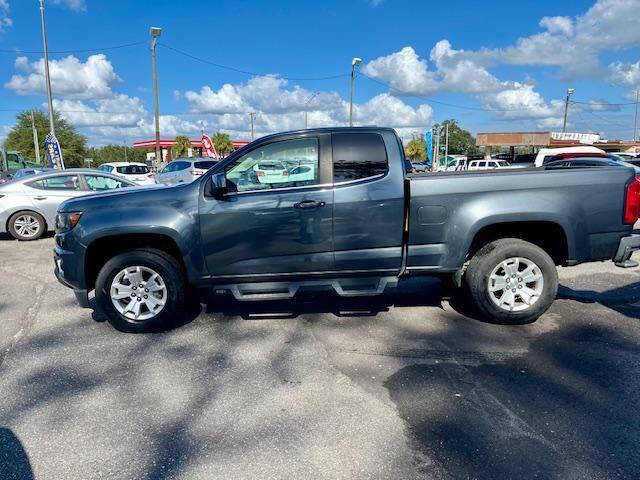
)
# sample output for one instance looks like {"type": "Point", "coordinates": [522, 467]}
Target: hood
{"type": "Point", "coordinates": [142, 196]}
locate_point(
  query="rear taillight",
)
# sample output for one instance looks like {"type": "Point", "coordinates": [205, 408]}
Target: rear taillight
{"type": "Point", "coordinates": [632, 202]}
{"type": "Point", "coordinates": [260, 173]}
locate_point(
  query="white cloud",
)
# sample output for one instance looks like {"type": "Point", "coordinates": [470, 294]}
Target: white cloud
{"type": "Point", "coordinates": [70, 77]}
{"type": "Point", "coordinates": [5, 19]}
{"type": "Point", "coordinates": [119, 110]}
{"type": "Point", "coordinates": [78, 5]}
{"type": "Point", "coordinates": [626, 74]}
{"type": "Point", "coordinates": [404, 71]}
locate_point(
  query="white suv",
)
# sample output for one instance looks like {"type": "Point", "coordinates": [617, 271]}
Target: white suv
{"type": "Point", "coordinates": [135, 172]}
{"type": "Point", "coordinates": [184, 170]}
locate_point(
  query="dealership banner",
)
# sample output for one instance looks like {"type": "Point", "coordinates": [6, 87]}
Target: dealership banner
{"type": "Point", "coordinates": [208, 149]}
{"type": "Point", "coordinates": [54, 152]}
{"type": "Point", "coordinates": [428, 138]}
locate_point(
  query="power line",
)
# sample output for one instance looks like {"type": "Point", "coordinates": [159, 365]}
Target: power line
{"type": "Point", "coordinates": [86, 50]}
{"type": "Point", "coordinates": [247, 72]}
{"type": "Point", "coordinates": [603, 104]}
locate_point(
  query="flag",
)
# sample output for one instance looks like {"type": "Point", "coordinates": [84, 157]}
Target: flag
{"type": "Point", "coordinates": [428, 138]}
{"type": "Point", "coordinates": [54, 152]}
{"type": "Point", "coordinates": [208, 149]}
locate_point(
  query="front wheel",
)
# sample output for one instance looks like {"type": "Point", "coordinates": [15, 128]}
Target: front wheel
{"type": "Point", "coordinates": [512, 281]}
{"type": "Point", "coordinates": [141, 291]}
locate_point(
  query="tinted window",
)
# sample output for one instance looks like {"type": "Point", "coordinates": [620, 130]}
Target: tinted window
{"type": "Point", "coordinates": [59, 182]}
{"type": "Point", "coordinates": [358, 155]}
{"type": "Point", "coordinates": [204, 165]}
{"type": "Point", "coordinates": [177, 166]}
{"type": "Point", "coordinates": [100, 182]}
{"type": "Point", "coordinates": [133, 170]}
{"type": "Point", "coordinates": [482, 164]}
{"type": "Point", "coordinates": [264, 167]}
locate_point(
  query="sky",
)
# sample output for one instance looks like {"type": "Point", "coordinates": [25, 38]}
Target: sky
{"type": "Point", "coordinates": [492, 66]}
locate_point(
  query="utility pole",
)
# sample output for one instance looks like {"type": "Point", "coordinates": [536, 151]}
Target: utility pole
{"type": "Point", "coordinates": [635, 120]}
{"type": "Point", "coordinates": [155, 33]}
{"type": "Point", "coordinates": [251, 114]}
{"type": "Point", "coordinates": [566, 108]}
{"type": "Point", "coordinates": [306, 103]}
{"type": "Point", "coordinates": [446, 148]}
{"type": "Point", "coordinates": [36, 144]}
{"type": "Point", "coordinates": [46, 68]}
{"type": "Point", "coordinates": [354, 63]}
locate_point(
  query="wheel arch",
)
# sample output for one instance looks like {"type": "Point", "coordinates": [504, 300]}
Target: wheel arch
{"type": "Point", "coordinates": [102, 249]}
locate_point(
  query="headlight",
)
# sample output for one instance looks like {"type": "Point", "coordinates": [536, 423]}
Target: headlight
{"type": "Point", "coordinates": [66, 221]}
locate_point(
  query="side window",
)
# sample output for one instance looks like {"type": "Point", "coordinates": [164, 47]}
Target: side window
{"type": "Point", "coordinates": [358, 155]}
{"type": "Point", "coordinates": [59, 182]}
{"type": "Point", "coordinates": [272, 166]}
{"type": "Point", "coordinates": [180, 166]}
{"type": "Point", "coordinates": [482, 164]}
{"type": "Point", "coordinates": [100, 182]}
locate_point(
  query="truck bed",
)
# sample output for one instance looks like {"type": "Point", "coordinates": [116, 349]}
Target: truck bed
{"type": "Point", "coordinates": [448, 209]}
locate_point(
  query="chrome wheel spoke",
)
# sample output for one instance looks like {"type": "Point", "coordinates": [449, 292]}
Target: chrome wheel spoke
{"type": "Point", "coordinates": [515, 284]}
{"type": "Point", "coordinates": [136, 298]}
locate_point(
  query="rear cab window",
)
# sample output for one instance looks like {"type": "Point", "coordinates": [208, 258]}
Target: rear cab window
{"type": "Point", "coordinates": [357, 156]}
{"type": "Point", "coordinates": [133, 170]}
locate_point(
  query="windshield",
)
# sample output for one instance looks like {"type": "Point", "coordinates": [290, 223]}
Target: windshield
{"type": "Point", "coordinates": [133, 170]}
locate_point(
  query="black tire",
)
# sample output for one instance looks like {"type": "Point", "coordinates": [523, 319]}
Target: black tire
{"type": "Point", "coordinates": [13, 229]}
{"type": "Point", "coordinates": [489, 257]}
{"type": "Point", "coordinates": [166, 267]}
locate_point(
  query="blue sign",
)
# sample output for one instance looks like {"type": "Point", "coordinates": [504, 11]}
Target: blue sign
{"type": "Point", "coordinates": [54, 152]}
{"type": "Point", "coordinates": [428, 138]}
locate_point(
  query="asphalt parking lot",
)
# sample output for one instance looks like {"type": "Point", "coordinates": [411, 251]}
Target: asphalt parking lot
{"type": "Point", "coordinates": [398, 386]}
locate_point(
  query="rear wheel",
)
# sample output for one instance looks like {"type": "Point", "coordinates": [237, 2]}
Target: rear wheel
{"type": "Point", "coordinates": [27, 225]}
{"type": "Point", "coordinates": [512, 281]}
{"type": "Point", "coordinates": [141, 291]}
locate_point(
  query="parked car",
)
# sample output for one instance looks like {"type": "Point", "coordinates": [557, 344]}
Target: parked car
{"type": "Point", "coordinates": [183, 170]}
{"type": "Point", "coordinates": [585, 162]}
{"type": "Point", "coordinates": [626, 156]}
{"type": "Point", "coordinates": [419, 166]}
{"type": "Point", "coordinates": [133, 171]}
{"type": "Point", "coordinates": [487, 164]}
{"type": "Point", "coordinates": [28, 205]}
{"type": "Point", "coordinates": [25, 172]}
{"type": "Point", "coordinates": [303, 173]}
{"type": "Point", "coordinates": [547, 154]}
{"type": "Point", "coordinates": [271, 171]}
{"type": "Point", "coordinates": [365, 224]}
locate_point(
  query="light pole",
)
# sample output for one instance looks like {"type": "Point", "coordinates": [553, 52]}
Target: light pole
{"type": "Point", "coordinates": [635, 119]}
{"type": "Point", "coordinates": [46, 68]}
{"type": "Point", "coordinates": [251, 114]}
{"type": "Point", "coordinates": [566, 108]}
{"type": "Point", "coordinates": [306, 108]}
{"type": "Point", "coordinates": [155, 33]}
{"type": "Point", "coordinates": [354, 63]}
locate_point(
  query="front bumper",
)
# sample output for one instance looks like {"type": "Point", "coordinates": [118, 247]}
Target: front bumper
{"type": "Point", "coordinates": [626, 247]}
{"type": "Point", "coordinates": [68, 257]}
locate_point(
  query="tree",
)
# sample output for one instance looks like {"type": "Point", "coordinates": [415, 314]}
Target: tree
{"type": "Point", "coordinates": [115, 153]}
{"type": "Point", "coordinates": [181, 147]}
{"type": "Point", "coordinates": [223, 143]}
{"type": "Point", "coordinates": [416, 149]}
{"type": "Point", "coordinates": [460, 140]}
{"type": "Point", "coordinates": [20, 138]}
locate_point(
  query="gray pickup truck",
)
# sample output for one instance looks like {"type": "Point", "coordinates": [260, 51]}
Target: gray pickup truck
{"type": "Point", "coordinates": [337, 208]}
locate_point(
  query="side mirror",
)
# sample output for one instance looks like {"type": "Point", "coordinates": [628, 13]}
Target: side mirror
{"type": "Point", "coordinates": [216, 186]}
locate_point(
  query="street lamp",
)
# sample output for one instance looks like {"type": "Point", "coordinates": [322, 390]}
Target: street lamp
{"type": "Point", "coordinates": [354, 63]}
{"type": "Point", "coordinates": [566, 108]}
{"type": "Point", "coordinates": [155, 33]}
{"type": "Point", "coordinates": [306, 103]}
{"type": "Point", "coordinates": [46, 69]}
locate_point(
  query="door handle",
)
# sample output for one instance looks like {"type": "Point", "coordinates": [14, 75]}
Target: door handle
{"type": "Point", "coordinates": [39, 198]}
{"type": "Point", "coordinates": [308, 204]}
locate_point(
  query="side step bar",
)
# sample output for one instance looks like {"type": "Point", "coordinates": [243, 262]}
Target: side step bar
{"type": "Point", "coordinates": [345, 287]}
